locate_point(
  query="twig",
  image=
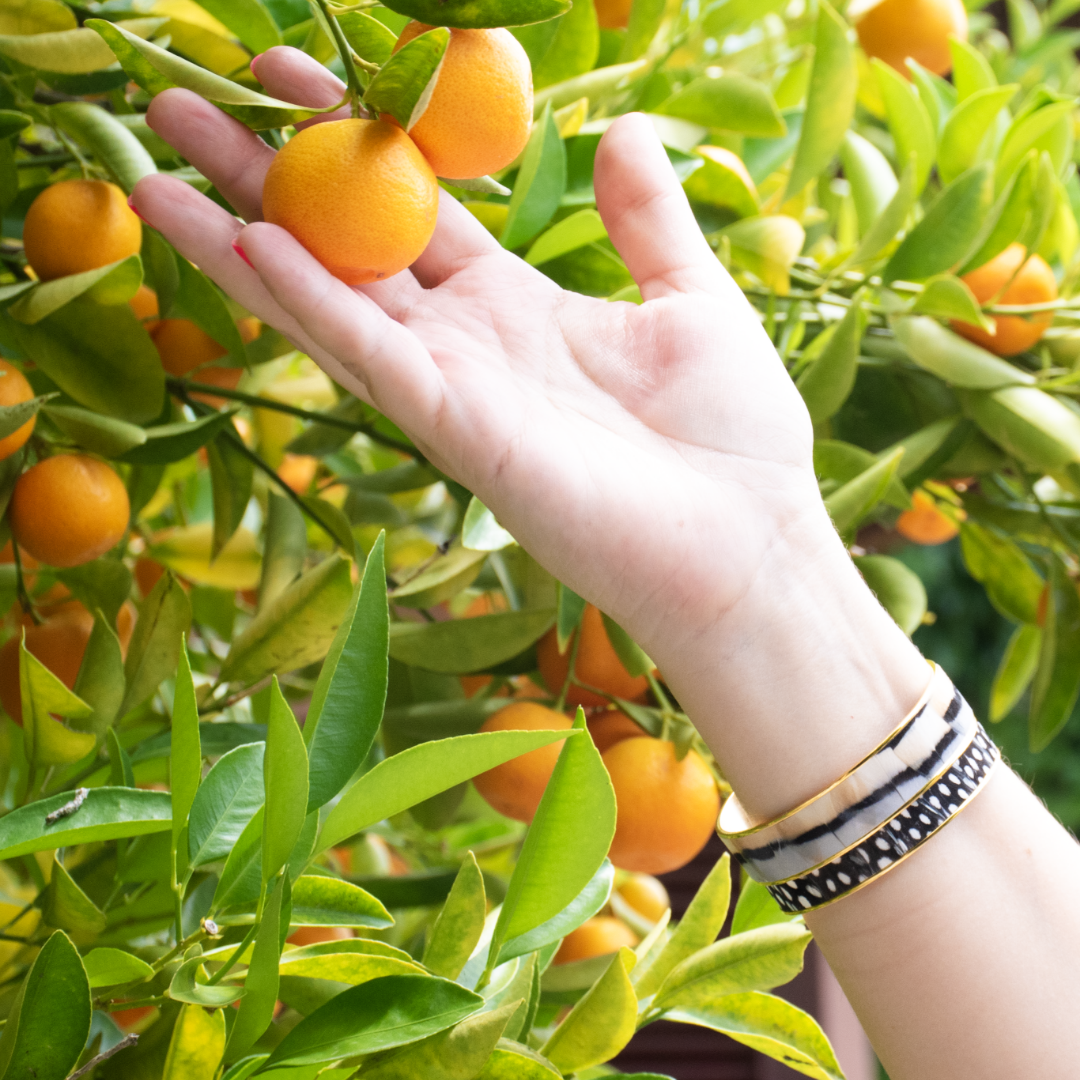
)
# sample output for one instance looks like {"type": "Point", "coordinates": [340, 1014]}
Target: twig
{"type": "Point", "coordinates": [356, 91]}
{"type": "Point", "coordinates": [94, 1062]}
{"type": "Point", "coordinates": [217, 706]}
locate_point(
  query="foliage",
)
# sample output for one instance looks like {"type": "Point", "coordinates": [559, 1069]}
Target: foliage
{"type": "Point", "coordinates": [286, 746]}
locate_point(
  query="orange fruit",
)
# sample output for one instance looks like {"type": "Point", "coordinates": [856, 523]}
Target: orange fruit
{"type": "Point", "coordinates": [228, 378]}
{"type": "Point", "coordinates": [14, 389]}
{"type": "Point", "coordinates": [316, 935]}
{"type": "Point", "coordinates": [136, 1019]}
{"type": "Point", "coordinates": [598, 936]}
{"type": "Point", "coordinates": [667, 809]}
{"type": "Point", "coordinates": [1009, 279]}
{"type": "Point", "coordinates": [645, 895]}
{"type": "Point", "coordinates": [144, 304]}
{"type": "Point", "coordinates": [515, 787]}
{"type": "Point", "coordinates": [298, 471]}
{"type": "Point", "coordinates": [473, 684]}
{"type": "Point", "coordinates": [183, 346]}
{"type": "Point", "coordinates": [613, 14]}
{"type": "Point", "coordinates": [147, 574]}
{"type": "Point", "coordinates": [78, 225]}
{"type": "Point", "coordinates": [69, 509]}
{"type": "Point", "coordinates": [358, 194]}
{"type": "Point", "coordinates": [896, 29]}
{"type": "Point", "coordinates": [597, 664]}
{"type": "Point", "coordinates": [480, 113]}
{"type": "Point", "coordinates": [924, 523]}
{"type": "Point", "coordinates": [612, 727]}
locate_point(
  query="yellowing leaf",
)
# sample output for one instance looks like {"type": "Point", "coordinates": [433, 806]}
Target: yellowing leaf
{"type": "Point", "coordinates": [197, 1046]}
{"type": "Point", "coordinates": [186, 550]}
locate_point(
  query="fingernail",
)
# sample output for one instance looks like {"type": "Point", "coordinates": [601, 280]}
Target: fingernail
{"type": "Point", "coordinates": [135, 211]}
{"type": "Point", "coordinates": [242, 253]}
{"type": "Point", "coordinates": [254, 60]}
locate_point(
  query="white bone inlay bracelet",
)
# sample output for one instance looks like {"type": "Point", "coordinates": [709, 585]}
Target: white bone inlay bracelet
{"type": "Point", "coordinates": [925, 745]}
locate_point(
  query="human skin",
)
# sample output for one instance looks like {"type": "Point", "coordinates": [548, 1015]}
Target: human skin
{"type": "Point", "coordinates": [668, 440]}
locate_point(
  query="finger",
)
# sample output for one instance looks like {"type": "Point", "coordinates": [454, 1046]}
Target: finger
{"type": "Point", "coordinates": [292, 75]}
{"type": "Point", "coordinates": [647, 215]}
{"type": "Point", "coordinates": [349, 324]}
{"type": "Point", "coordinates": [204, 232]}
{"type": "Point", "coordinates": [458, 242]}
{"type": "Point", "coordinates": [231, 156]}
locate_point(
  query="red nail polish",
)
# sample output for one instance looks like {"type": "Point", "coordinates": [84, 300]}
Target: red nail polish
{"type": "Point", "coordinates": [242, 253]}
{"type": "Point", "coordinates": [135, 211]}
{"type": "Point", "coordinates": [254, 61]}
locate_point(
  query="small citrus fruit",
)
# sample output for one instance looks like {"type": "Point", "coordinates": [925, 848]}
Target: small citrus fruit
{"type": "Point", "coordinates": [480, 113]}
{"type": "Point", "coordinates": [298, 471]}
{"type": "Point", "coordinates": [613, 14]}
{"type": "Point", "coordinates": [645, 895]}
{"type": "Point", "coordinates": [897, 29]}
{"type": "Point", "coordinates": [14, 389]}
{"type": "Point", "coordinates": [667, 809]}
{"type": "Point", "coordinates": [69, 509]}
{"type": "Point", "coordinates": [358, 194]}
{"type": "Point", "coordinates": [145, 305]}
{"type": "Point", "coordinates": [597, 664]}
{"type": "Point", "coordinates": [515, 787]}
{"type": "Point", "coordinates": [137, 1019]}
{"type": "Point", "coordinates": [924, 523]}
{"type": "Point", "coordinates": [184, 346]}
{"type": "Point", "coordinates": [316, 935]}
{"type": "Point", "coordinates": [147, 574]}
{"type": "Point", "coordinates": [612, 727]}
{"type": "Point", "coordinates": [1009, 279]}
{"type": "Point", "coordinates": [78, 225]}
{"type": "Point", "coordinates": [598, 936]}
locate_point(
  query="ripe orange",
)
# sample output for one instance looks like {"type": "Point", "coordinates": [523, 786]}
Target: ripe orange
{"type": "Point", "coordinates": [144, 304]}
{"type": "Point", "coordinates": [147, 574]}
{"type": "Point", "coordinates": [896, 29]}
{"type": "Point", "coordinates": [1008, 279]}
{"type": "Point", "coordinates": [924, 523]}
{"type": "Point", "coordinates": [645, 895]}
{"type": "Point", "coordinates": [667, 809]}
{"type": "Point", "coordinates": [298, 471]}
{"type": "Point", "coordinates": [597, 664]}
{"type": "Point", "coordinates": [14, 389]}
{"type": "Point", "coordinates": [516, 787]}
{"type": "Point", "coordinates": [137, 1019]}
{"type": "Point", "coordinates": [78, 225]}
{"type": "Point", "coordinates": [315, 935]}
{"type": "Point", "coordinates": [69, 509]}
{"type": "Point", "coordinates": [598, 936]}
{"type": "Point", "coordinates": [480, 113]}
{"type": "Point", "coordinates": [183, 346]}
{"type": "Point", "coordinates": [358, 194]}
{"type": "Point", "coordinates": [612, 727]}
{"type": "Point", "coordinates": [613, 14]}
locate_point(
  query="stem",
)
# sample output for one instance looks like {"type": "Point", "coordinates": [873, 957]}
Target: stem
{"type": "Point", "coordinates": [560, 704]}
{"type": "Point", "coordinates": [658, 692]}
{"type": "Point", "coordinates": [249, 937]}
{"type": "Point", "coordinates": [217, 706]}
{"type": "Point", "coordinates": [94, 1062]}
{"type": "Point", "coordinates": [20, 585]}
{"type": "Point", "coordinates": [356, 91]}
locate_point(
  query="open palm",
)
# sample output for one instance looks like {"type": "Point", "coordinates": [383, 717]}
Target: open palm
{"type": "Point", "coordinates": [635, 451]}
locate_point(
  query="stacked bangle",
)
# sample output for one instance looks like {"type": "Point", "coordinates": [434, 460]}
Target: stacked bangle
{"type": "Point", "coordinates": [875, 815]}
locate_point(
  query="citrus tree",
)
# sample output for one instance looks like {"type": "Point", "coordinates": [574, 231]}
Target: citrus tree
{"type": "Point", "coordinates": [307, 768]}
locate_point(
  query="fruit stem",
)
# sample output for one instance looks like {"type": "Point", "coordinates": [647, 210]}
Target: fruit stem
{"type": "Point", "coordinates": [658, 692]}
{"type": "Point", "coordinates": [356, 91]}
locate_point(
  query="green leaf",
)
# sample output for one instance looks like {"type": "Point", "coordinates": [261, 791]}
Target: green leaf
{"type": "Point", "coordinates": [971, 70]}
{"type": "Point", "coordinates": [569, 45]}
{"type": "Point", "coordinates": [198, 299]}
{"type": "Point", "coordinates": [948, 297]}
{"type": "Point", "coordinates": [332, 521]}
{"type": "Point", "coordinates": [261, 983]}
{"type": "Point", "coordinates": [68, 52]}
{"type": "Point", "coordinates": [771, 1026]}
{"type": "Point", "coordinates": [480, 531]}
{"type": "Point", "coordinates": [67, 907]}
{"type": "Point", "coordinates": [631, 655]}
{"type": "Point", "coordinates": [1057, 678]}
{"type": "Point", "coordinates": [347, 704]}
{"type": "Point", "coordinates": [1027, 422]}
{"type": "Point", "coordinates": [112, 144]}
{"type": "Point", "coordinates": [285, 780]}
{"type": "Point", "coordinates": [1016, 670]}
{"type": "Point", "coordinates": [249, 20]}
{"type": "Point", "coordinates": [830, 101]}
{"type": "Point", "coordinates": [479, 14]}
{"type": "Point", "coordinates": [910, 123]}
{"type": "Point", "coordinates": [571, 608]}
{"type": "Point", "coordinates": [541, 182]}
{"type": "Point", "coordinates": [186, 550]}
{"type": "Point", "coordinates": [963, 141]}
{"type": "Point", "coordinates": [826, 384]}
{"type": "Point", "coordinates": [197, 1045]}
{"type": "Point", "coordinates": [231, 477]}
{"type": "Point", "coordinates": [111, 967]}
{"type": "Point", "coordinates": [719, 182]}
{"type": "Point", "coordinates": [514, 1061]}
{"type": "Point", "coordinates": [284, 548]}
{"type": "Point", "coordinates": [104, 435]}
{"type": "Point", "coordinates": [755, 960]}
{"type": "Point", "coordinates": [167, 443]}
{"type": "Point", "coordinates": [945, 235]}
{"type": "Point", "coordinates": [370, 39]}
{"type": "Point", "coordinates": [698, 928]}
{"type": "Point", "coordinates": [873, 183]}
{"type": "Point", "coordinates": [600, 1024]}
{"type": "Point", "coordinates": [404, 85]}
{"type": "Point", "coordinates": [374, 1016]}
{"type": "Point", "coordinates": [733, 102]}
{"type": "Point", "coordinates": [442, 580]}
{"type": "Point", "coordinates": [100, 356]}
{"type": "Point", "coordinates": [756, 907]}
{"type": "Point", "coordinates": [104, 583]}
{"type": "Point", "coordinates": [353, 962]}
{"type": "Point", "coordinates": [113, 284]}
{"type": "Point", "coordinates": [1011, 215]}
{"type": "Point", "coordinates": [188, 984]}
{"type": "Point", "coordinates": [47, 741]}
{"type": "Point", "coordinates": [900, 591]}
{"type": "Point", "coordinates": [421, 771]}
{"type": "Point", "coordinates": [1028, 131]}
{"type": "Point", "coordinates": [12, 417]}
{"type": "Point", "coordinates": [559, 857]}
{"type": "Point", "coordinates": [849, 504]}
{"type": "Point", "coordinates": [155, 69]}
{"type": "Point", "coordinates": [460, 646]}
{"type": "Point", "coordinates": [185, 757]}
{"type": "Point", "coordinates": [1001, 567]}
{"type": "Point", "coordinates": [164, 619]}
{"type": "Point", "coordinates": [49, 1019]}
{"type": "Point", "coordinates": [224, 804]}
{"type": "Point", "coordinates": [882, 231]}
{"type": "Point", "coordinates": [241, 876]}
{"type": "Point", "coordinates": [105, 814]}
{"type": "Point", "coordinates": [327, 901]}
{"type": "Point", "coordinates": [593, 85]}
{"type": "Point", "coordinates": [458, 928]}
{"type": "Point", "coordinates": [295, 629]}
{"type": "Point", "coordinates": [767, 246]}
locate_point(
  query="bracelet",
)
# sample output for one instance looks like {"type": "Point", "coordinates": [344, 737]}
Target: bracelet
{"type": "Point", "coordinates": [925, 744]}
{"type": "Point", "coordinates": [902, 836]}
